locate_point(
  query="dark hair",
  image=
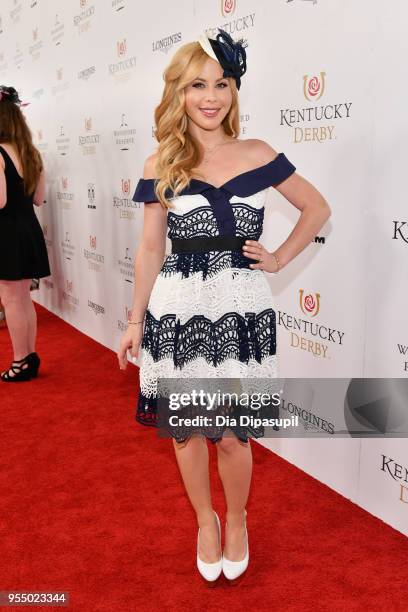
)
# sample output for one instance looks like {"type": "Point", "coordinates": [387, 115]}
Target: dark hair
{"type": "Point", "coordinates": [14, 129]}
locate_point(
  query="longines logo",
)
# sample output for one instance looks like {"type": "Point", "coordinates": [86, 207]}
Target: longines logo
{"type": "Point", "coordinates": [122, 323]}
{"type": "Point", "coordinates": [64, 196]}
{"type": "Point", "coordinates": [126, 266]}
{"type": "Point", "coordinates": [124, 67]}
{"type": "Point", "coordinates": [94, 259]}
{"type": "Point", "coordinates": [91, 196]}
{"type": "Point", "coordinates": [167, 43]}
{"type": "Point", "coordinates": [310, 420]}
{"type": "Point", "coordinates": [96, 308]}
{"type": "Point", "coordinates": [125, 135]}
{"type": "Point", "coordinates": [83, 20]}
{"type": "Point", "coordinates": [313, 90]}
{"type": "Point", "coordinates": [398, 473]}
{"type": "Point", "coordinates": [35, 49]}
{"type": "Point", "coordinates": [310, 306]}
{"type": "Point", "coordinates": [86, 73]}
{"type": "Point", "coordinates": [68, 248]}
{"type": "Point", "coordinates": [400, 230]}
{"type": "Point", "coordinates": [89, 141]}
{"type": "Point", "coordinates": [124, 203]}
{"type": "Point", "coordinates": [57, 31]}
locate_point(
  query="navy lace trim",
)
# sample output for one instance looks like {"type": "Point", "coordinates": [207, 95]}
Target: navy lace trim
{"type": "Point", "coordinates": [233, 336]}
{"type": "Point", "coordinates": [210, 263]}
{"type": "Point", "coordinates": [202, 222]}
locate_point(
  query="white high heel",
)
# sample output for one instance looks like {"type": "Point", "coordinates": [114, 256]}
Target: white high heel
{"type": "Point", "coordinates": [233, 569]}
{"type": "Point", "coordinates": [210, 571]}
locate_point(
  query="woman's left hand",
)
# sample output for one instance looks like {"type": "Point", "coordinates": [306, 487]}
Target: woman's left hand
{"type": "Point", "coordinates": [255, 250]}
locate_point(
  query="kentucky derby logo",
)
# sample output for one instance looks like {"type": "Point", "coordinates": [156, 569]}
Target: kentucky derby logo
{"type": "Point", "coordinates": [313, 87]}
{"type": "Point", "coordinates": [121, 47]}
{"type": "Point", "coordinates": [92, 242]}
{"type": "Point", "coordinates": [64, 182]}
{"type": "Point", "coordinates": [309, 304]}
{"type": "Point", "coordinates": [125, 186]}
{"type": "Point", "coordinates": [228, 7]}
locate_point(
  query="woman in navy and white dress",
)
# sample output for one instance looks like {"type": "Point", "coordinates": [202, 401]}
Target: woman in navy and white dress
{"type": "Point", "coordinates": [207, 307]}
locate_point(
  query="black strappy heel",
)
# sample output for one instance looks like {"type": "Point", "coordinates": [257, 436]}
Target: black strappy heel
{"type": "Point", "coordinates": [20, 373]}
{"type": "Point", "coordinates": [34, 361]}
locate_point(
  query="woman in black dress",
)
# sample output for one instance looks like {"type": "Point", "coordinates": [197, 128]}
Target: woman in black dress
{"type": "Point", "coordinates": [23, 253]}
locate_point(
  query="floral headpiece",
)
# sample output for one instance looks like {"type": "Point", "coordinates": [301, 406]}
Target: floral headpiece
{"type": "Point", "coordinates": [229, 53]}
{"type": "Point", "coordinates": [10, 94]}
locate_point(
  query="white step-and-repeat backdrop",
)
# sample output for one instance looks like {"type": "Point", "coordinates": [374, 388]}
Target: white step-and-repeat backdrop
{"type": "Point", "coordinates": [325, 85]}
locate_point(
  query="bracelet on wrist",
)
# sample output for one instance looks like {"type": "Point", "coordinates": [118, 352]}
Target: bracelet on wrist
{"type": "Point", "coordinates": [135, 322]}
{"type": "Point", "coordinates": [277, 261]}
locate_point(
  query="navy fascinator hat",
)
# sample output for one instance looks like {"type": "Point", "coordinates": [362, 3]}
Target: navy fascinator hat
{"type": "Point", "coordinates": [230, 54]}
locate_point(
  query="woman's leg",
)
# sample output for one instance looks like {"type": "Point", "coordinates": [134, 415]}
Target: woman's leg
{"type": "Point", "coordinates": [192, 459]}
{"type": "Point", "coordinates": [15, 302]}
{"type": "Point", "coordinates": [235, 470]}
{"type": "Point", "coordinates": [31, 315]}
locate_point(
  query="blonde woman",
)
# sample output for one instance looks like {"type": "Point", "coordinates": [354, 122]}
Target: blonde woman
{"type": "Point", "coordinates": [207, 308]}
{"type": "Point", "coordinates": [23, 253]}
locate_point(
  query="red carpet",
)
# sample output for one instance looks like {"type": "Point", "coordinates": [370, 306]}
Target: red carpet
{"type": "Point", "coordinates": [93, 504]}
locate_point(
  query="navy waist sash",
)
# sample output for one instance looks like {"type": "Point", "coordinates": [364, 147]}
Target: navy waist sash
{"type": "Point", "coordinates": [202, 244]}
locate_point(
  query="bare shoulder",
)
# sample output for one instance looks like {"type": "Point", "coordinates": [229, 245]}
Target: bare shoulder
{"type": "Point", "coordinates": [149, 169]}
{"type": "Point", "coordinates": [258, 151]}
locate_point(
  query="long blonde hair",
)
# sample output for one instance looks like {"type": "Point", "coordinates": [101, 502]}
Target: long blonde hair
{"type": "Point", "coordinates": [178, 152]}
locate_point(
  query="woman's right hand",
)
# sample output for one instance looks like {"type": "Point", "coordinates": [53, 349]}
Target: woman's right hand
{"type": "Point", "coordinates": [131, 340]}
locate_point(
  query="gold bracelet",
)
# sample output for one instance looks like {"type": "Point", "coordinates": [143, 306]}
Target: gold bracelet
{"type": "Point", "coordinates": [135, 322]}
{"type": "Point", "coordinates": [277, 261]}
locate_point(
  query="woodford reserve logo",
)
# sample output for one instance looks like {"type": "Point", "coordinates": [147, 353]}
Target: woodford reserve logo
{"type": "Point", "coordinates": [307, 335]}
{"type": "Point", "coordinates": [323, 116]}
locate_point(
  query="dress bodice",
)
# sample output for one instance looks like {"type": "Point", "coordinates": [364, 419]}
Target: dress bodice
{"type": "Point", "coordinates": [236, 208]}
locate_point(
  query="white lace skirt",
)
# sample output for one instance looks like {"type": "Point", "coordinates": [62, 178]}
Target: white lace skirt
{"type": "Point", "coordinates": [222, 325]}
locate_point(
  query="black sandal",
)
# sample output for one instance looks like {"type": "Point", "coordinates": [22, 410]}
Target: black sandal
{"type": "Point", "coordinates": [34, 361]}
{"type": "Point", "coordinates": [20, 373]}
